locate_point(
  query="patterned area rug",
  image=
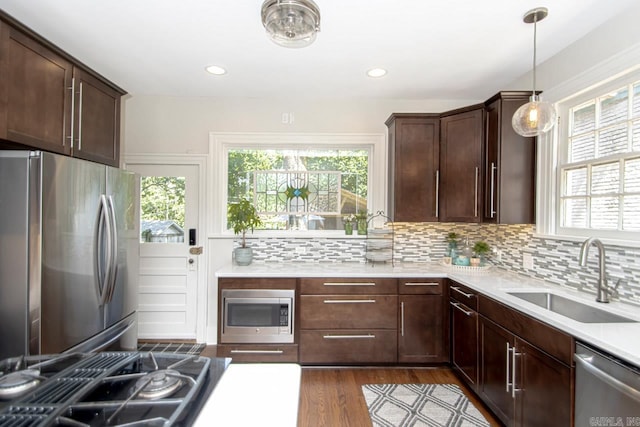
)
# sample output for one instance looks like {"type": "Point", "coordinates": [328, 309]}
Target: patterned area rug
{"type": "Point", "coordinates": [171, 347]}
{"type": "Point", "coordinates": [400, 405]}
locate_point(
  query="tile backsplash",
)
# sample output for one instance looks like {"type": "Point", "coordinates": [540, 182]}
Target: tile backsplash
{"type": "Point", "coordinates": [553, 260]}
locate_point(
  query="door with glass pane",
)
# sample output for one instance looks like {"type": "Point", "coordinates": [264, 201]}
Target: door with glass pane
{"type": "Point", "coordinates": [168, 262]}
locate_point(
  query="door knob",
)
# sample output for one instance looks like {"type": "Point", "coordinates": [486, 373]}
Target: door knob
{"type": "Point", "coordinates": [191, 260]}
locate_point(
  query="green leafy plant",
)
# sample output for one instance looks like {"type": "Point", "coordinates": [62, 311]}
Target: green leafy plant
{"type": "Point", "coordinates": [453, 237]}
{"type": "Point", "coordinates": [481, 248]}
{"type": "Point", "coordinates": [362, 214]}
{"type": "Point", "coordinates": [243, 216]}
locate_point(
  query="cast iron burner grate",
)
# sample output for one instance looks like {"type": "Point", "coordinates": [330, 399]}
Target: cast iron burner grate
{"type": "Point", "coordinates": [111, 389]}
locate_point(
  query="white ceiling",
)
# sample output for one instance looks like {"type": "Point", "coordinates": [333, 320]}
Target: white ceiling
{"type": "Point", "coordinates": [448, 49]}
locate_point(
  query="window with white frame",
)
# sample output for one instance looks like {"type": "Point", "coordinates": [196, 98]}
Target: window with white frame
{"type": "Point", "coordinates": [599, 162]}
{"type": "Point", "coordinates": [301, 183]}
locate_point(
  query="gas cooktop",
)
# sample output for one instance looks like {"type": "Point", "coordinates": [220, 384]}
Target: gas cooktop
{"type": "Point", "coordinates": [103, 389]}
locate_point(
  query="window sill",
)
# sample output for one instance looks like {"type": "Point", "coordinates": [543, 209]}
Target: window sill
{"type": "Point", "coordinates": [579, 239]}
{"type": "Point", "coordinates": [312, 234]}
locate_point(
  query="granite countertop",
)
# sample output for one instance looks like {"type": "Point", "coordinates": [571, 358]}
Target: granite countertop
{"type": "Point", "coordinates": [619, 339]}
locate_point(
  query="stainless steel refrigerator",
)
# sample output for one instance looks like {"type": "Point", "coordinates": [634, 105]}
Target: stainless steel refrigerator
{"type": "Point", "coordinates": [68, 255]}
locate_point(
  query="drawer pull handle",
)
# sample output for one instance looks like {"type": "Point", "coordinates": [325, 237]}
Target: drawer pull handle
{"type": "Point", "coordinates": [460, 291]}
{"type": "Point", "coordinates": [257, 351]}
{"type": "Point", "coordinates": [347, 337]}
{"type": "Point", "coordinates": [349, 301]}
{"type": "Point", "coordinates": [422, 284]}
{"type": "Point", "coordinates": [458, 306]}
{"type": "Point", "coordinates": [349, 284]}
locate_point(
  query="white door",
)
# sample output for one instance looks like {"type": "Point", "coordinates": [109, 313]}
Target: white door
{"type": "Point", "coordinates": [169, 262]}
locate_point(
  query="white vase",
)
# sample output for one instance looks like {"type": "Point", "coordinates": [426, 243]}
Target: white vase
{"type": "Point", "coordinates": [244, 256]}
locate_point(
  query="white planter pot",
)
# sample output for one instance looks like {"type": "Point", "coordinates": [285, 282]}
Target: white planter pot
{"type": "Point", "coordinates": [244, 256]}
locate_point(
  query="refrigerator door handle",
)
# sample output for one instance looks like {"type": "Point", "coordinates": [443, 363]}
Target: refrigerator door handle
{"type": "Point", "coordinates": [113, 266]}
{"type": "Point", "coordinates": [104, 251]}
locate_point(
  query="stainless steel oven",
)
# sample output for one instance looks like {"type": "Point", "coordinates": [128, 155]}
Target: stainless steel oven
{"type": "Point", "coordinates": [257, 316]}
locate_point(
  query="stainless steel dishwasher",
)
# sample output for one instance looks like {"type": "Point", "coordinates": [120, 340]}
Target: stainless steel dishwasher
{"type": "Point", "coordinates": [607, 390]}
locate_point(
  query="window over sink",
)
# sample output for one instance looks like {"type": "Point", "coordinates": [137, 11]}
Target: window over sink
{"type": "Point", "coordinates": [597, 179]}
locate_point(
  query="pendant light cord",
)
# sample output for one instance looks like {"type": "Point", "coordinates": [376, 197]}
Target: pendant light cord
{"type": "Point", "coordinates": [535, 27]}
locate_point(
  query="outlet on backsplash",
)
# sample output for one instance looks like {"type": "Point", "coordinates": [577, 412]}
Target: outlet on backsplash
{"type": "Point", "coordinates": [527, 261]}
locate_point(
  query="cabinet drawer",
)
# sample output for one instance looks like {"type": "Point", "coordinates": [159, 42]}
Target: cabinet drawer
{"type": "Point", "coordinates": [348, 346]}
{"type": "Point", "coordinates": [258, 352]}
{"type": "Point", "coordinates": [316, 286]}
{"type": "Point", "coordinates": [348, 311]}
{"type": "Point", "coordinates": [463, 295]}
{"type": "Point", "coordinates": [420, 286]}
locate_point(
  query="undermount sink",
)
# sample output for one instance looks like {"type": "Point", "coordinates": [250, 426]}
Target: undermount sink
{"type": "Point", "coordinates": [569, 308]}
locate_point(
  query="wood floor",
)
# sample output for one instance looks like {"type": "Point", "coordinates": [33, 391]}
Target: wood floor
{"type": "Point", "coordinates": [332, 397]}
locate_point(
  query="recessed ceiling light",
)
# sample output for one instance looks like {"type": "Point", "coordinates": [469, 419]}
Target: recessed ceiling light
{"type": "Point", "coordinates": [215, 69]}
{"type": "Point", "coordinates": [376, 72]}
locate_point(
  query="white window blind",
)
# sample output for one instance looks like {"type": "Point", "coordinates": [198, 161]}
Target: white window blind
{"type": "Point", "coordinates": [599, 162]}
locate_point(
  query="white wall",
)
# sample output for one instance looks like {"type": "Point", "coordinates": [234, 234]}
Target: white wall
{"type": "Point", "coordinates": [615, 37]}
{"type": "Point", "coordinates": [153, 124]}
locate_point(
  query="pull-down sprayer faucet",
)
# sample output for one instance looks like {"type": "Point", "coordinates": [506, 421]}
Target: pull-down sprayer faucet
{"type": "Point", "coordinates": [603, 291]}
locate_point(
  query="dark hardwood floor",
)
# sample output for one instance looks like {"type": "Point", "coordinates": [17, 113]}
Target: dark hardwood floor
{"type": "Point", "coordinates": [332, 397]}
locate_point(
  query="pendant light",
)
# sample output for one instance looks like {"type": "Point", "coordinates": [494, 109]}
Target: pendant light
{"type": "Point", "coordinates": [291, 23]}
{"type": "Point", "coordinates": [535, 117]}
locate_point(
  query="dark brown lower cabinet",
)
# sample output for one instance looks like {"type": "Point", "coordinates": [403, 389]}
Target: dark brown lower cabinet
{"type": "Point", "coordinates": [464, 342]}
{"type": "Point", "coordinates": [496, 376]}
{"type": "Point", "coordinates": [423, 321]}
{"type": "Point", "coordinates": [521, 384]}
{"type": "Point", "coordinates": [348, 346]}
{"type": "Point", "coordinates": [421, 335]}
{"type": "Point", "coordinates": [545, 384]}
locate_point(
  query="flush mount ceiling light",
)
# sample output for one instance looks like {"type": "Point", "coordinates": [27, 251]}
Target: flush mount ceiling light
{"type": "Point", "coordinates": [376, 72]}
{"type": "Point", "coordinates": [291, 23]}
{"type": "Point", "coordinates": [535, 117]}
{"type": "Point", "coordinates": [216, 70]}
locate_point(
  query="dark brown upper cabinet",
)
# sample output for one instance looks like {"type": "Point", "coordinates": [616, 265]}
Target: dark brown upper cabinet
{"type": "Point", "coordinates": [96, 130]}
{"type": "Point", "coordinates": [510, 161]}
{"type": "Point", "coordinates": [52, 102]}
{"type": "Point", "coordinates": [35, 100]}
{"type": "Point", "coordinates": [413, 167]}
{"type": "Point", "coordinates": [461, 139]}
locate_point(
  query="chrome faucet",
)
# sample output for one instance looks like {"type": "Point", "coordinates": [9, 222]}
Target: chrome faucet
{"type": "Point", "coordinates": [603, 291]}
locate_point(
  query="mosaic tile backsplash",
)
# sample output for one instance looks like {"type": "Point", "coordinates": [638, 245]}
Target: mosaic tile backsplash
{"type": "Point", "coordinates": [554, 260]}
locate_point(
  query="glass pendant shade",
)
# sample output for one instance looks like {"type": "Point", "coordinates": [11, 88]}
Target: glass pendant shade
{"type": "Point", "coordinates": [291, 23]}
{"type": "Point", "coordinates": [534, 118]}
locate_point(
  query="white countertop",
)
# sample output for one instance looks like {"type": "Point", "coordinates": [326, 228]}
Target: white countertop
{"type": "Point", "coordinates": [619, 339]}
{"type": "Point", "coordinates": [254, 394]}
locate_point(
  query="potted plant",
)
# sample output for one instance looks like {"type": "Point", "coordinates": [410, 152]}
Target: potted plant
{"type": "Point", "coordinates": [348, 221]}
{"type": "Point", "coordinates": [480, 249]}
{"type": "Point", "coordinates": [361, 221]}
{"type": "Point", "coordinates": [243, 216]}
{"type": "Point", "coordinates": [452, 240]}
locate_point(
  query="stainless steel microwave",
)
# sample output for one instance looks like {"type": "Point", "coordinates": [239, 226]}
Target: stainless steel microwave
{"type": "Point", "coordinates": [257, 316]}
